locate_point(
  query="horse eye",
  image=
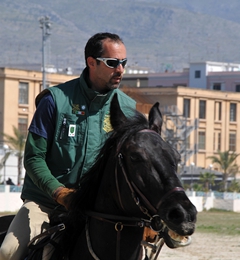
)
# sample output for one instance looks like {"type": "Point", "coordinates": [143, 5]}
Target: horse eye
{"type": "Point", "coordinates": [135, 158]}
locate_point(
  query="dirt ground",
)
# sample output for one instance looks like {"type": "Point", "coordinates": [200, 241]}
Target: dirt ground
{"type": "Point", "coordinates": [205, 246]}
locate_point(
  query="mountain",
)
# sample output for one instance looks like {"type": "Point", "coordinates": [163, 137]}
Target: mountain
{"type": "Point", "coordinates": [159, 34]}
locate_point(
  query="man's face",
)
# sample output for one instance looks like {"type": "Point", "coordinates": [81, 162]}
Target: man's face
{"type": "Point", "coordinates": [102, 77]}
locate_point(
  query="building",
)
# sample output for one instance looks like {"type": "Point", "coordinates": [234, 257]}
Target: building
{"type": "Point", "coordinates": [198, 121]}
{"type": "Point", "coordinates": [18, 89]}
{"type": "Point", "coordinates": [201, 121]}
{"type": "Point", "coordinates": [203, 75]}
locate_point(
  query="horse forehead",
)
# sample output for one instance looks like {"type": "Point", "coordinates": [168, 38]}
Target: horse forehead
{"type": "Point", "coordinates": [148, 142]}
{"type": "Point", "coordinates": [149, 138]}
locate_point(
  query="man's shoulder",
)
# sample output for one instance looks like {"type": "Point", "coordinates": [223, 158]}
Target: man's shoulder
{"type": "Point", "coordinates": [65, 85]}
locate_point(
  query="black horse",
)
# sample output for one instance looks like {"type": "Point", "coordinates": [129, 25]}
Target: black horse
{"type": "Point", "coordinates": [132, 185]}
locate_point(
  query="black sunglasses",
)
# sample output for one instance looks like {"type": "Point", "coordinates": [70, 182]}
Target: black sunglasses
{"type": "Point", "coordinates": [113, 63]}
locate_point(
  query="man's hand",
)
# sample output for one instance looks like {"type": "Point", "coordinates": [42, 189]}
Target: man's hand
{"type": "Point", "coordinates": [64, 196]}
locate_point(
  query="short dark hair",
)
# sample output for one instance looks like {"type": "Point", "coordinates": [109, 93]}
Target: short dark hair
{"type": "Point", "coordinates": [94, 46]}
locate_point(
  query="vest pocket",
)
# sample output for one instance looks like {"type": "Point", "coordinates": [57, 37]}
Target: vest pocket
{"type": "Point", "coordinates": [68, 131]}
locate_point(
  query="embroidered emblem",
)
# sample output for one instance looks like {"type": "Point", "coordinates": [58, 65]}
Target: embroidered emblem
{"type": "Point", "coordinates": [72, 130]}
{"type": "Point", "coordinates": [107, 127]}
{"type": "Point", "coordinates": [76, 109]}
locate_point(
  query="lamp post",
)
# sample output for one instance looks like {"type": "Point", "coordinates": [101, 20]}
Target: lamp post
{"type": "Point", "coordinates": [45, 25]}
{"type": "Point", "coordinates": [192, 168]}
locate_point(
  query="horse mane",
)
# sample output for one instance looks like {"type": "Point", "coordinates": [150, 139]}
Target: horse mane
{"type": "Point", "coordinates": [86, 194]}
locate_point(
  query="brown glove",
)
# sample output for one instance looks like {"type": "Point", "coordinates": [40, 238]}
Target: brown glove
{"type": "Point", "coordinates": [64, 196]}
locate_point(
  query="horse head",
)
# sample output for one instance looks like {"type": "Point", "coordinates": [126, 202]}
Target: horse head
{"type": "Point", "coordinates": [150, 168]}
{"type": "Point", "coordinates": [133, 184]}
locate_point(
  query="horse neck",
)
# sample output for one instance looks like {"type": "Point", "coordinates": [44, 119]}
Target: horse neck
{"type": "Point", "coordinates": [106, 197]}
{"type": "Point", "coordinates": [105, 239]}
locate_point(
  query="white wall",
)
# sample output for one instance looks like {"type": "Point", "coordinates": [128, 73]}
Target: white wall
{"type": "Point", "coordinates": [10, 200]}
{"type": "Point", "coordinates": [10, 170]}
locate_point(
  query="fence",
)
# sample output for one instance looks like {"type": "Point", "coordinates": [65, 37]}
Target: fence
{"type": "Point", "coordinates": [10, 199]}
{"type": "Point", "coordinates": [219, 200]}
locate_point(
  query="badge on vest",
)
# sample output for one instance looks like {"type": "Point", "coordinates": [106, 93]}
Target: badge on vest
{"type": "Point", "coordinates": [77, 111]}
{"type": "Point", "coordinates": [72, 130]}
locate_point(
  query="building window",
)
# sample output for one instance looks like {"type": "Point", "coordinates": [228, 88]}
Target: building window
{"type": "Point", "coordinates": [23, 93]}
{"type": "Point", "coordinates": [232, 142]}
{"type": "Point", "coordinates": [202, 109]}
{"type": "Point", "coordinates": [186, 107]}
{"type": "Point", "coordinates": [219, 142]}
{"type": "Point", "coordinates": [216, 86]}
{"type": "Point", "coordinates": [201, 140]}
{"type": "Point", "coordinates": [237, 88]}
{"type": "Point", "coordinates": [233, 112]}
{"type": "Point", "coordinates": [197, 74]}
{"type": "Point", "coordinates": [23, 126]}
{"type": "Point", "coordinates": [218, 111]}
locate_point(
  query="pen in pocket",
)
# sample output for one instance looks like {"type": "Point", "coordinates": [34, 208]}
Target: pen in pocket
{"type": "Point", "coordinates": [63, 127]}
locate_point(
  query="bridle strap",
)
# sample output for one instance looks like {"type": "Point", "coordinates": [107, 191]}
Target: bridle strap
{"type": "Point", "coordinates": [145, 200]}
{"type": "Point", "coordinates": [169, 193]}
{"type": "Point", "coordinates": [134, 189]}
{"type": "Point", "coordinates": [135, 198]}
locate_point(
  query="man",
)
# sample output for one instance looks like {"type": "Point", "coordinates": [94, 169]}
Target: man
{"type": "Point", "coordinates": [69, 127]}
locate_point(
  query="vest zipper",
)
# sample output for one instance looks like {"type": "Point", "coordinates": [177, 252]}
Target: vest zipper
{"type": "Point", "coordinates": [63, 127]}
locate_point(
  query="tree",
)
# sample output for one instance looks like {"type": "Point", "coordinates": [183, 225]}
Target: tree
{"type": "Point", "coordinates": [226, 160]}
{"type": "Point", "coordinates": [235, 186]}
{"type": "Point", "coordinates": [207, 178]}
{"type": "Point", "coordinates": [3, 162]}
{"type": "Point", "coordinates": [17, 144]}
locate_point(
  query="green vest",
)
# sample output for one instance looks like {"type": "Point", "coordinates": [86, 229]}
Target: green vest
{"type": "Point", "coordinates": [82, 126]}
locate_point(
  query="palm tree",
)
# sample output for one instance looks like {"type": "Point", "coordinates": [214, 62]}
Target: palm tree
{"type": "Point", "coordinates": [235, 186]}
{"type": "Point", "coordinates": [226, 160]}
{"type": "Point", "coordinates": [17, 145]}
{"type": "Point", "coordinates": [208, 179]}
{"type": "Point", "coordinates": [3, 163]}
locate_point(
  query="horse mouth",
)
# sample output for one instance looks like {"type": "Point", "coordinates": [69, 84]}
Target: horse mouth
{"type": "Point", "coordinates": [178, 240]}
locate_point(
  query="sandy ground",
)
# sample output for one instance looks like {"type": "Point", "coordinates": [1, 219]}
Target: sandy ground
{"type": "Point", "coordinates": [205, 247]}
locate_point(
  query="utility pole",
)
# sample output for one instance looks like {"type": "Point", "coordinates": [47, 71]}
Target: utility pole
{"type": "Point", "coordinates": [45, 25]}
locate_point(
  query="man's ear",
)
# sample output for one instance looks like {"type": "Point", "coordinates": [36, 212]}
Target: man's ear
{"type": "Point", "coordinates": [91, 62]}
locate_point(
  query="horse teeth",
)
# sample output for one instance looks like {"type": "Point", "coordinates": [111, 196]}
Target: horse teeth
{"type": "Point", "coordinates": [176, 237]}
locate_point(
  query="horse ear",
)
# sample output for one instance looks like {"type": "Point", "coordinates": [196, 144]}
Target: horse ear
{"type": "Point", "coordinates": [155, 118]}
{"type": "Point", "coordinates": [117, 117]}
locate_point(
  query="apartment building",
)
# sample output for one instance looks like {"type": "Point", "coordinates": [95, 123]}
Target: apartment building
{"type": "Point", "coordinates": [18, 89]}
{"type": "Point", "coordinates": [197, 121]}
{"type": "Point", "coordinates": [204, 75]}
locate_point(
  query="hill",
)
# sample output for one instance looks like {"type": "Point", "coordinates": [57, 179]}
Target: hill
{"type": "Point", "coordinates": [159, 34]}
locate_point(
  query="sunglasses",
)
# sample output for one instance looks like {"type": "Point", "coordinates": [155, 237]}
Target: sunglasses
{"type": "Point", "coordinates": [113, 63]}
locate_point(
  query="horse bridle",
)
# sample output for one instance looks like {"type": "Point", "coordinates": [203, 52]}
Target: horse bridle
{"type": "Point", "coordinates": [134, 222]}
{"type": "Point", "coordinates": [135, 190]}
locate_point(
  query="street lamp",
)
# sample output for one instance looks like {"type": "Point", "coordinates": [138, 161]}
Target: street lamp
{"type": "Point", "coordinates": [192, 168]}
{"type": "Point", "coordinates": [210, 166]}
{"type": "Point", "coordinates": [45, 25]}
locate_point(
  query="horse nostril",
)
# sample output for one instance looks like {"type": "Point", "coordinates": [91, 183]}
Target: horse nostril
{"type": "Point", "coordinates": [176, 215]}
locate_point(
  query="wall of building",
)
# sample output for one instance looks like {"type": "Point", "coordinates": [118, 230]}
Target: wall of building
{"type": "Point", "coordinates": [10, 109]}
